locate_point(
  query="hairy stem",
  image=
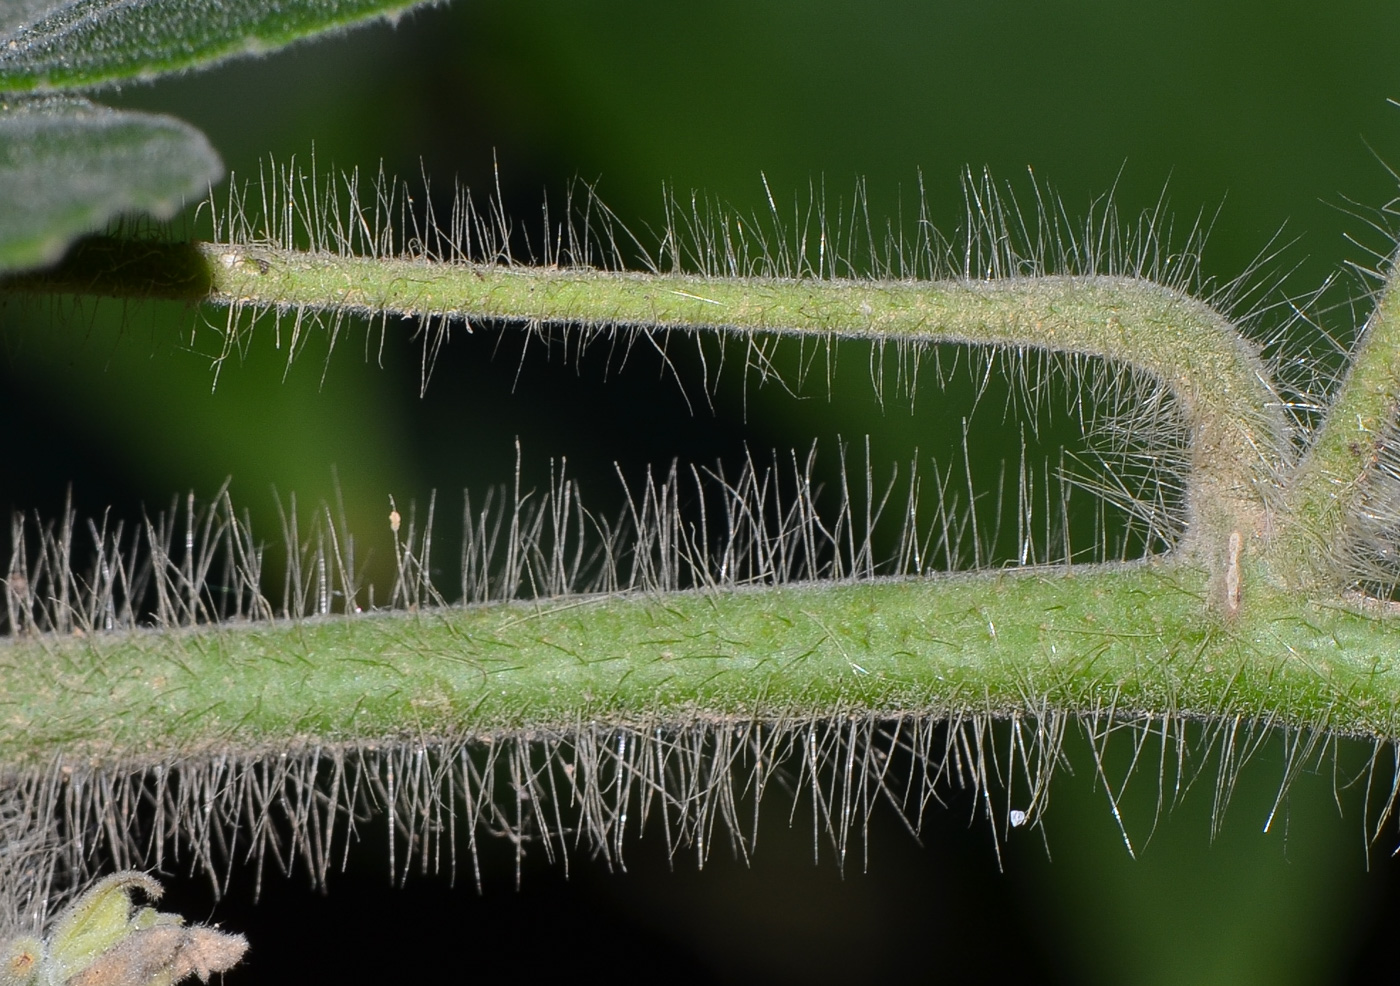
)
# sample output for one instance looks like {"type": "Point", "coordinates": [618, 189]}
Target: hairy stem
{"type": "Point", "coordinates": [1130, 639]}
{"type": "Point", "coordinates": [1211, 631]}
{"type": "Point", "coordinates": [1330, 483]}
{"type": "Point", "coordinates": [1239, 436]}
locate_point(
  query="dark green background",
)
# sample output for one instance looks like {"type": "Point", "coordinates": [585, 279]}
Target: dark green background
{"type": "Point", "coordinates": [1278, 110]}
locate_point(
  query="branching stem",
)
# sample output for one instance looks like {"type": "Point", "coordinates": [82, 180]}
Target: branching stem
{"type": "Point", "coordinates": [1219, 628]}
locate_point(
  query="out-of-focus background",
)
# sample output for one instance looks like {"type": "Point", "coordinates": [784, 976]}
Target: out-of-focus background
{"type": "Point", "coordinates": [1260, 116]}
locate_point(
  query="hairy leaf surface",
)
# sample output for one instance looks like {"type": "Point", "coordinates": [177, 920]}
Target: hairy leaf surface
{"type": "Point", "coordinates": [51, 44]}
{"type": "Point", "coordinates": [68, 166]}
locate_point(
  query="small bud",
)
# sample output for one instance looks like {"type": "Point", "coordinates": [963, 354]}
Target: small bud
{"type": "Point", "coordinates": [20, 960]}
{"type": "Point", "coordinates": [98, 941]}
{"type": "Point", "coordinates": [164, 953]}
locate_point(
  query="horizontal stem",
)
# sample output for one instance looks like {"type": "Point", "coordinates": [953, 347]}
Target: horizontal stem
{"type": "Point", "coordinates": [1126, 638]}
{"type": "Point", "coordinates": [1145, 637]}
{"type": "Point", "coordinates": [1240, 437]}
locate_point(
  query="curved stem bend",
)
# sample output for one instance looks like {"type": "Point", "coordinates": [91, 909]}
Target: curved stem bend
{"type": "Point", "coordinates": [1240, 436]}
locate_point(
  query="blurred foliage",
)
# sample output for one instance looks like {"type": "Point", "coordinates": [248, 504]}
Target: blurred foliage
{"type": "Point", "coordinates": [56, 44]}
{"type": "Point", "coordinates": [67, 166]}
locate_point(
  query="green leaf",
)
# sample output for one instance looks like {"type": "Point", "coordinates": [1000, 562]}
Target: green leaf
{"type": "Point", "coordinates": [52, 44]}
{"type": "Point", "coordinates": [67, 167]}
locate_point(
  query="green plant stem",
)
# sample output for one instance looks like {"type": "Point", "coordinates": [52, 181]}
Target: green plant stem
{"type": "Point", "coordinates": [1131, 639]}
{"type": "Point", "coordinates": [1240, 443]}
{"type": "Point", "coordinates": [1330, 481]}
{"type": "Point", "coordinates": [1148, 638]}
